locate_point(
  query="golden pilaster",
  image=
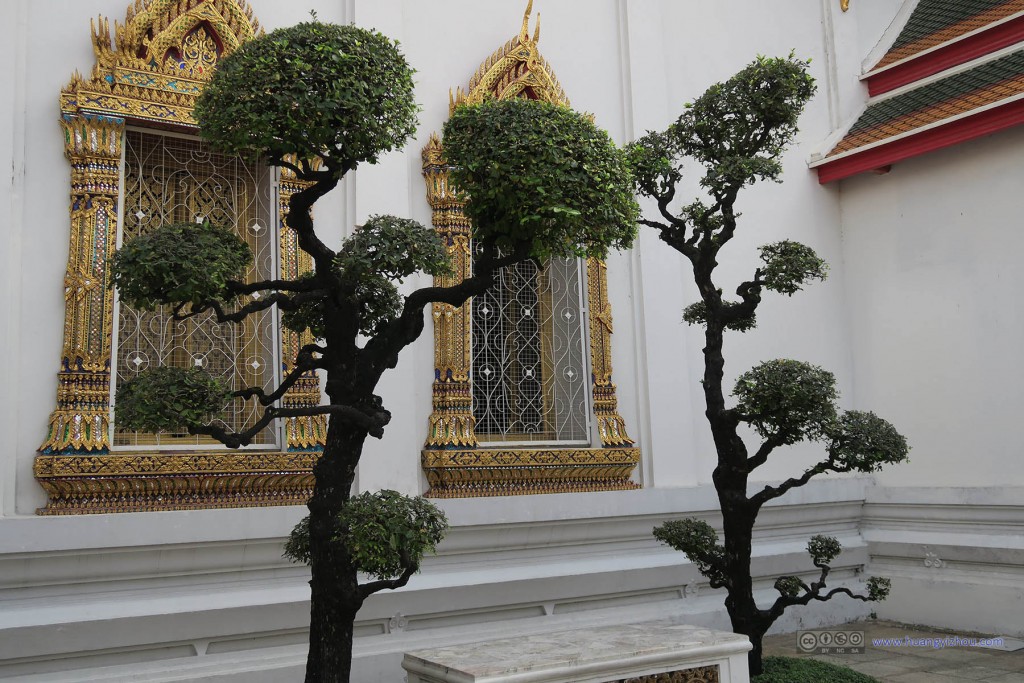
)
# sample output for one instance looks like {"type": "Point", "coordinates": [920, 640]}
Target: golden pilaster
{"type": "Point", "coordinates": [80, 423]}
{"type": "Point", "coordinates": [611, 428]}
{"type": "Point", "coordinates": [451, 419]}
{"type": "Point", "coordinates": [308, 432]}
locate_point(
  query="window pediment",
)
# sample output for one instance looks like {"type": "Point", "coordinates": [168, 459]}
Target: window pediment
{"type": "Point", "coordinates": [159, 59]}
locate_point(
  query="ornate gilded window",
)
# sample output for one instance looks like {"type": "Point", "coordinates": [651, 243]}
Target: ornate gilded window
{"type": "Point", "coordinates": [513, 399]}
{"type": "Point", "coordinates": [131, 168]}
{"type": "Point", "coordinates": [528, 360]}
{"type": "Point", "coordinates": [175, 179]}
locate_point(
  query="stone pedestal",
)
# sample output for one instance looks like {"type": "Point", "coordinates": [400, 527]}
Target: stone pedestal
{"type": "Point", "coordinates": [650, 652]}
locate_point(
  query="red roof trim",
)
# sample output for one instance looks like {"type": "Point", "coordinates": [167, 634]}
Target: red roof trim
{"type": "Point", "coordinates": [952, 133]}
{"type": "Point", "coordinates": [964, 50]}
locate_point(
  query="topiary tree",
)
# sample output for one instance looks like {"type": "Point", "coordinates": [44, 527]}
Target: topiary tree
{"type": "Point", "coordinates": [320, 99]}
{"type": "Point", "coordinates": [737, 131]}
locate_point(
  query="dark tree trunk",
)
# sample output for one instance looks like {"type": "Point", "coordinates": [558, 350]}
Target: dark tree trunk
{"type": "Point", "coordinates": [730, 478]}
{"type": "Point", "coordinates": [744, 614]}
{"type": "Point", "coordinates": [335, 593]}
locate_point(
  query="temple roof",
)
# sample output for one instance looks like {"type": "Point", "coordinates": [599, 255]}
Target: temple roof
{"type": "Point", "coordinates": [954, 95]}
{"type": "Point", "coordinates": [934, 22]}
{"type": "Point", "coordinates": [955, 72]}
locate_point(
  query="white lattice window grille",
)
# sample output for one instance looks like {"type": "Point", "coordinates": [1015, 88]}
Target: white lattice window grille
{"type": "Point", "coordinates": [176, 179]}
{"type": "Point", "coordinates": [528, 357]}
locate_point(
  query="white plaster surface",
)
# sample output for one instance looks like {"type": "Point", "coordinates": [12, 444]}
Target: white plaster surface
{"type": "Point", "coordinates": [920, 320]}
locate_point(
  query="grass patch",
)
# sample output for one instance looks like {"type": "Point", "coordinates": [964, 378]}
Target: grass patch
{"type": "Point", "coordinates": [794, 670]}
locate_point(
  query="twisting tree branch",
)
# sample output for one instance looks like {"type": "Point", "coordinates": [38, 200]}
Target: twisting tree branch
{"type": "Point", "coordinates": [300, 220]}
{"type": "Point", "coordinates": [771, 492]}
{"type": "Point", "coordinates": [382, 351]}
{"type": "Point", "coordinates": [374, 426]}
{"type": "Point", "coordinates": [304, 363]}
{"type": "Point", "coordinates": [408, 569]}
{"type": "Point", "coordinates": [761, 456]}
{"type": "Point", "coordinates": [811, 592]}
{"type": "Point", "coordinates": [284, 301]}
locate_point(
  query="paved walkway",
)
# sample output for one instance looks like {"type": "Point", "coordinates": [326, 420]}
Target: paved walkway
{"type": "Point", "coordinates": [891, 658]}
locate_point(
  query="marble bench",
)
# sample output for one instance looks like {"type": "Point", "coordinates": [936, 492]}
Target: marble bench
{"type": "Point", "coordinates": [649, 652]}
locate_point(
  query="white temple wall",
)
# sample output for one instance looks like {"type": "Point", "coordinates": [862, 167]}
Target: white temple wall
{"type": "Point", "coordinates": [109, 589]}
{"type": "Point", "coordinates": [932, 253]}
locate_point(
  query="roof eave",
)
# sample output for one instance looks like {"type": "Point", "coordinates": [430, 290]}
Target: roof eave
{"type": "Point", "coordinates": [980, 122]}
{"type": "Point", "coordinates": [959, 50]}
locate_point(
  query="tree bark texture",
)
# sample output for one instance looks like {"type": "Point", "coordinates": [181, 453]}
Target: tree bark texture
{"type": "Point", "coordinates": [334, 585]}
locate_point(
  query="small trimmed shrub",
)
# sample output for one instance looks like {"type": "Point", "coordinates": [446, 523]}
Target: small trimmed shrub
{"type": "Point", "coordinates": [795, 670]}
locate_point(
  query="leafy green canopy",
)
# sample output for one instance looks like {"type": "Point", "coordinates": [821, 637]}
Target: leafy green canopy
{"type": "Point", "coordinates": [788, 399]}
{"type": "Point", "coordinates": [169, 398]}
{"type": "Point", "coordinates": [541, 176]}
{"type": "Point", "coordinates": [699, 541]}
{"type": "Point", "coordinates": [737, 130]}
{"type": "Point", "coordinates": [864, 442]}
{"type": "Point", "coordinates": [823, 549]}
{"type": "Point", "coordinates": [179, 263]}
{"type": "Point", "coordinates": [393, 247]}
{"type": "Point", "coordinates": [342, 93]}
{"type": "Point", "coordinates": [789, 265]}
{"type": "Point", "coordinates": [385, 532]}
{"type": "Point", "coordinates": [378, 252]}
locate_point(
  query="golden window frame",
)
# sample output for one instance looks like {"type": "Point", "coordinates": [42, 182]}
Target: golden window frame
{"type": "Point", "coordinates": [454, 465]}
{"type": "Point", "coordinates": [164, 53]}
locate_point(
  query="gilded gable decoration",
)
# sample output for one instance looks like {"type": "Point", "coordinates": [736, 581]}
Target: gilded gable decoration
{"type": "Point", "coordinates": [454, 464]}
{"type": "Point", "coordinates": [159, 59]}
{"type": "Point", "coordinates": [149, 75]}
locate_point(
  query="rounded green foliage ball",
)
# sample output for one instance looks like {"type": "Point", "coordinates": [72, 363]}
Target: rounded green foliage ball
{"type": "Point", "coordinates": [823, 549]}
{"type": "Point", "coordinates": [179, 263]}
{"type": "Point", "coordinates": [339, 92]}
{"type": "Point", "coordinates": [788, 400]}
{"type": "Point", "coordinates": [789, 265]}
{"type": "Point", "coordinates": [384, 532]}
{"type": "Point", "coordinates": [878, 588]}
{"type": "Point", "coordinates": [789, 586]}
{"type": "Point", "coordinates": [393, 247]}
{"type": "Point", "coordinates": [541, 176]}
{"type": "Point", "coordinates": [738, 129]}
{"type": "Point", "coordinates": [169, 399]}
{"type": "Point", "coordinates": [864, 442]}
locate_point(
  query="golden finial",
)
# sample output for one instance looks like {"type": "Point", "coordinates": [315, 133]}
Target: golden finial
{"type": "Point", "coordinates": [844, 4]}
{"type": "Point", "coordinates": [536, 32]}
{"type": "Point", "coordinates": [524, 33]}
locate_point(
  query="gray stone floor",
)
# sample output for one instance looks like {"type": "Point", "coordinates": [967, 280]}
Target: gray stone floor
{"type": "Point", "coordinates": [917, 663]}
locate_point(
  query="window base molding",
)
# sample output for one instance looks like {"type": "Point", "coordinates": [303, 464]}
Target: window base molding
{"type": "Point", "coordinates": [488, 472]}
{"type": "Point", "coordinates": [134, 482]}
